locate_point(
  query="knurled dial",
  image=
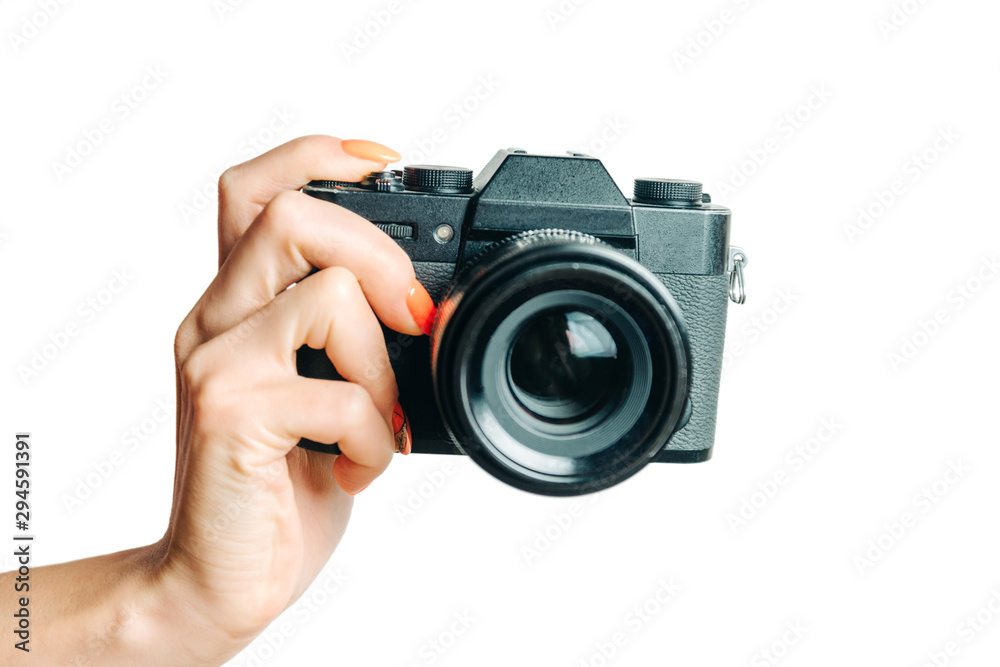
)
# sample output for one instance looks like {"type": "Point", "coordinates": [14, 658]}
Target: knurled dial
{"type": "Point", "coordinates": [666, 191]}
{"type": "Point", "coordinates": [437, 180]}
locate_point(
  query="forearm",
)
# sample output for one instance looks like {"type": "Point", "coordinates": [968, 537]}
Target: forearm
{"type": "Point", "coordinates": [117, 609]}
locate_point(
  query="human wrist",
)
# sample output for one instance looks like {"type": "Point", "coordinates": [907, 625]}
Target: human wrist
{"type": "Point", "coordinates": [183, 620]}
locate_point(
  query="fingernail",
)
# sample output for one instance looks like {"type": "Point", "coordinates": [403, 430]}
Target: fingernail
{"type": "Point", "coordinates": [360, 490]}
{"type": "Point", "coordinates": [369, 150]}
{"type": "Point", "coordinates": [421, 307]}
{"type": "Point", "coordinates": [401, 427]}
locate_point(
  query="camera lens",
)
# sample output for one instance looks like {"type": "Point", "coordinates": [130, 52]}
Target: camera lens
{"type": "Point", "coordinates": [564, 366]}
{"type": "Point", "coordinates": [560, 365]}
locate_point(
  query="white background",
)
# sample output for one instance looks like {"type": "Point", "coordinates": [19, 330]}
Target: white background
{"type": "Point", "coordinates": [827, 309]}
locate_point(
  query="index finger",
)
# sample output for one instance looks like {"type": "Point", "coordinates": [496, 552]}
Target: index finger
{"type": "Point", "coordinates": [246, 188]}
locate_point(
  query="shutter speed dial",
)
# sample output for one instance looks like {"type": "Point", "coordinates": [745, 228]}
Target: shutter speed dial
{"type": "Point", "coordinates": [667, 192]}
{"type": "Point", "coordinates": [433, 179]}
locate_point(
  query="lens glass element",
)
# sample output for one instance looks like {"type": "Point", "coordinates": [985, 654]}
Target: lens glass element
{"type": "Point", "coordinates": [564, 366]}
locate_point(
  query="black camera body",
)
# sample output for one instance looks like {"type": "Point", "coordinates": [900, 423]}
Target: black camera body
{"type": "Point", "coordinates": [579, 333]}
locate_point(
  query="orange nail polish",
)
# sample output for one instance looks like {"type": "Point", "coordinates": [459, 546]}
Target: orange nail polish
{"type": "Point", "coordinates": [401, 428]}
{"type": "Point", "coordinates": [421, 307]}
{"type": "Point", "coordinates": [369, 150]}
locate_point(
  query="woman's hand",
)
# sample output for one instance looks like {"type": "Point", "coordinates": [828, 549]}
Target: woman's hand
{"type": "Point", "coordinates": [256, 518]}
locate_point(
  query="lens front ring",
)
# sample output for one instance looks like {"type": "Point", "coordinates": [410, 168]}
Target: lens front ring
{"type": "Point", "coordinates": [588, 448]}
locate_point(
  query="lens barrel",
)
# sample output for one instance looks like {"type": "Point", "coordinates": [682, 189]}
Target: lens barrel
{"type": "Point", "coordinates": [560, 365]}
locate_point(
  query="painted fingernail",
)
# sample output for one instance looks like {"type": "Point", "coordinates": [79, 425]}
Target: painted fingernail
{"type": "Point", "coordinates": [421, 307]}
{"type": "Point", "coordinates": [401, 428]}
{"type": "Point", "coordinates": [360, 490]}
{"type": "Point", "coordinates": [369, 150]}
